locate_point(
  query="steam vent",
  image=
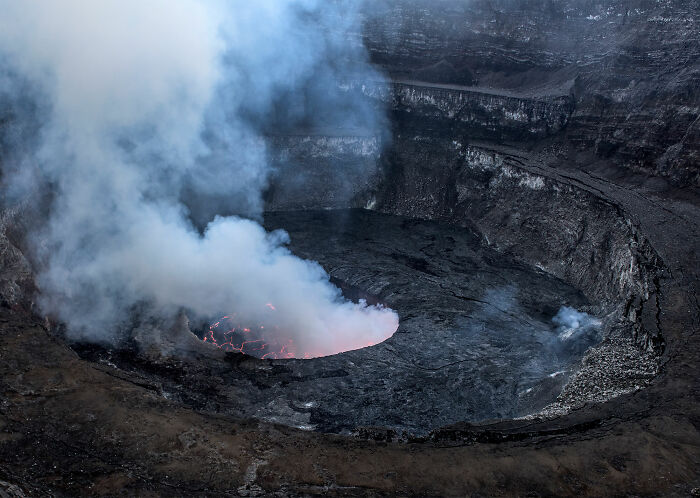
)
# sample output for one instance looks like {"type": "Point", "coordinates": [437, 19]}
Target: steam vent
{"type": "Point", "coordinates": [350, 248]}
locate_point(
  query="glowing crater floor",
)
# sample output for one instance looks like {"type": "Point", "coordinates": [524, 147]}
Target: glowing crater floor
{"type": "Point", "coordinates": [476, 339]}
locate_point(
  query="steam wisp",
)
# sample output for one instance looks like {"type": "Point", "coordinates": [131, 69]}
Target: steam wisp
{"type": "Point", "coordinates": [571, 323]}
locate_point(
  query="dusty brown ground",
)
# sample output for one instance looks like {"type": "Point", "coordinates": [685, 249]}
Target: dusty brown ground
{"type": "Point", "coordinates": [74, 428]}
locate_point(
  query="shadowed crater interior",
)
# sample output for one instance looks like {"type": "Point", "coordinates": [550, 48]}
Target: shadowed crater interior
{"type": "Point", "coordinates": [481, 336]}
{"type": "Point", "coordinates": [476, 338]}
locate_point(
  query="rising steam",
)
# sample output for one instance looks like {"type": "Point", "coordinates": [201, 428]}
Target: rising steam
{"type": "Point", "coordinates": [152, 149]}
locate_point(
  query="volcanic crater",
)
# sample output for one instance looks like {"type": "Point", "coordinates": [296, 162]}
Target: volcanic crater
{"type": "Point", "coordinates": [480, 336]}
{"type": "Point", "coordinates": [534, 229]}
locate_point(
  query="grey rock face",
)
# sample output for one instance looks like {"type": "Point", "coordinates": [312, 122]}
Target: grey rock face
{"type": "Point", "coordinates": [344, 171]}
{"type": "Point", "coordinates": [473, 111]}
{"type": "Point", "coordinates": [16, 276]}
{"type": "Point", "coordinates": [631, 68]}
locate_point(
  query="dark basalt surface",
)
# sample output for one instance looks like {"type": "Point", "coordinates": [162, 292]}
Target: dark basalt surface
{"type": "Point", "coordinates": [475, 342]}
{"type": "Point", "coordinates": [475, 339]}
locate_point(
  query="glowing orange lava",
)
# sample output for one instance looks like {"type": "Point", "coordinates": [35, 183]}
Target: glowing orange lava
{"type": "Point", "coordinates": [229, 334]}
{"type": "Point", "coordinates": [266, 340]}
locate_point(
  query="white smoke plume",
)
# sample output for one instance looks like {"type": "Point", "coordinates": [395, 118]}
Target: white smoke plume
{"type": "Point", "coordinates": [153, 123]}
{"type": "Point", "coordinates": [572, 323]}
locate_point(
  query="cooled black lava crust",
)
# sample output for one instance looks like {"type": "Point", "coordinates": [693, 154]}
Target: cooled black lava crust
{"type": "Point", "coordinates": [475, 339]}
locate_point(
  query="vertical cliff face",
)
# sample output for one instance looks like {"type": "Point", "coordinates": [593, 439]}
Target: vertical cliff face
{"type": "Point", "coordinates": [504, 115]}
{"type": "Point", "coordinates": [530, 211]}
{"type": "Point", "coordinates": [16, 277]}
{"type": "Point", "coordinates": [333, 170]}
{"type": "Point", "coordinates": [630, 69]}
{"type": "Point", "coordinates": [608, 88]}
{"type": "Point", "coordinates": [474, 112]}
